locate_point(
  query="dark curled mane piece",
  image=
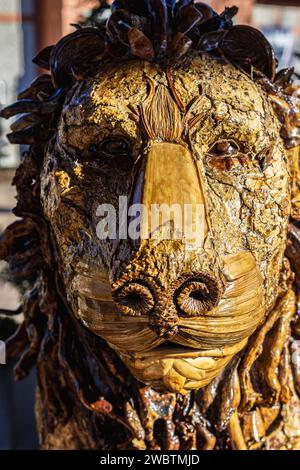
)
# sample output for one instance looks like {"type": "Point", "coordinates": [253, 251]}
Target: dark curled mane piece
{"type": "Point", "coordinates": [248, 48]}
{"type": "Point", "coordinates": [74, 55]}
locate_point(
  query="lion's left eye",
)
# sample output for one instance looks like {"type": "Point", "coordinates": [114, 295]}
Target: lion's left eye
{"type": "Point", "coordinates": [115, 147]}
{"type": "Point", "coordinates": [224, 148]}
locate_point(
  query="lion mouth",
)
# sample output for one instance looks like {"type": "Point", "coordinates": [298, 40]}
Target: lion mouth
{"type": "Point", "coordinates": [172, 350]}
{"type": "Point", "coordinates": [165, 350]}
{"type": "Point", "coordinates": [179, 369]}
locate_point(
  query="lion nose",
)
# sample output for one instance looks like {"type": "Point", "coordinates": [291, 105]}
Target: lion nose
{"type": "Point", "coordinates": [134, 298]}
{"type": "Point", "coordinates": [197, 295]}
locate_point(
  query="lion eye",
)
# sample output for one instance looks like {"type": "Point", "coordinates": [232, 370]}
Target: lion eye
{"type": "Point", "coordinates": [224, 148]}
{"type": "Point", "coordinates": [225, 155]}
{"type": "Point", "coordinates": [115, 147]}
{"type": "Point", "coordinates": [111, 153]}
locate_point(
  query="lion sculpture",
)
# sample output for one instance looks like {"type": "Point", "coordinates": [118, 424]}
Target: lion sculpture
{"type": "Point", "coordinates": [160, 342]}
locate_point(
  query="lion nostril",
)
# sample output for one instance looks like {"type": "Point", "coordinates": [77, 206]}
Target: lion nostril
{"type": "Point", "coordinates": [134, 299]}
{"type": "Point", "coordinates": [198, 295]}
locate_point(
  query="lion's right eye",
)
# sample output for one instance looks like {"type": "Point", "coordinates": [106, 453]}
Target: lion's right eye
{"type": "Point", "coordinates": [113, 153]}
{"type": "Point", "coordinates": [116, 147]}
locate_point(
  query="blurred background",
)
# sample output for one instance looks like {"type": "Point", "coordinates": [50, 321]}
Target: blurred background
{"type": "Point", "coordinates": [26, 26]}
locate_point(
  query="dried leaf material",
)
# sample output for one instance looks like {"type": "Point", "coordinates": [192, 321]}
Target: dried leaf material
{"type": "Point", "coordinates": [19, 246]}
{"type": "Point", "coordinates": [179, 369]}
{"type": "Point", "coordinates": [141, 8]}
{"type": "Point", "coordinates": [43, 58]}
{"type": "Point", "coordinates": [20, 107]}
{"type": "Point", "coordinates": [286, 104]}
{"type": "Point", "coordinates": [17, 343]}
{"type": "Point", "coordinates": [285, 308]}
{"type": "Point", "coordinates": [148, 30]}
{"type": "Point", "coordinates": [295, 172]}
{"type": "Point", "coordinates": [75, 54]}
{"type": "Point", "coordinates": [188, 17]}
{"type": "Point", "coordinates": [25, 122]}
{"type": "Point", "coordinates": [244, 46]}
{"type": "Point", "coordinates": [284, 77]}
{"type": "Point", "coordinates": [271, 364]}
{"type": "Point", "coordinates": [31, 136]}
{"type": "Point", "coordinates": [180, 45]}
{"type": "Point", "coordinates": [161, 116]}
{"type": "Point", "coordinates": [38, 114]}
{"type": "Point", "coordinates": [156, 30]}
{"type": "Point", "coordinates": [162, 159]}
{"type": "Point", "coordinates": [211, 41]}
{"type": "Point", "coordinates": [210, 327]}
{"type": "Point", "coordinates": [140, 45]}
{"type": "Point", "coordinates": [40, 87]}
{"type": "Point", "coordinates": [118, 27]}
{"type": "Point", "coordinates": [248, 47]}
{"type": "Point", "coordinates": [235, 430]}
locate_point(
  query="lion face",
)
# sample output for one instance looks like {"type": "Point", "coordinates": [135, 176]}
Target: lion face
{"type": "Point", "coordinates": [201, 134]}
